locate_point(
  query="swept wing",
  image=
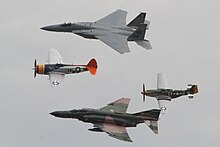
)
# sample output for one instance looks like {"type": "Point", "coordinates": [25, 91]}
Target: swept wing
{"type": "Point", "coordinates": [119, 106]}
{"type": "Point", "coordinates": [115, 41]}
{"type": "Point", "coordinates": [117, 18]}
{"type": "Point", "coordinates": [118, 132]}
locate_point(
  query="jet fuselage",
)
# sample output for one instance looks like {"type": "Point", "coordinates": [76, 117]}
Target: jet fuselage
{"type": "Point", "coordinates": [90, 29]}
{"type": "Point", "coordinates": [98, 116]}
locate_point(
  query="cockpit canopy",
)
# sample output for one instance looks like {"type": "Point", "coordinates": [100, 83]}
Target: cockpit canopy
{"type": "Point", "coordinates": [66, 24]}
{"type": "Point", "coordinates": [81, 110]}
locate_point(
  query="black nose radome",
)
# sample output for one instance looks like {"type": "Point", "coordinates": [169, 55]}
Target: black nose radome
{"type": "Point", "coordinates": [50, 28]}
{"type": "Point", "coordinates": [54, 114]}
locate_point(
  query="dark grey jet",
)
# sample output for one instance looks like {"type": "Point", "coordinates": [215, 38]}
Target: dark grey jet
{"type": "Point", "coordinates": [112, 30]}
{"type": "Point", "coordinates": [113, 119]}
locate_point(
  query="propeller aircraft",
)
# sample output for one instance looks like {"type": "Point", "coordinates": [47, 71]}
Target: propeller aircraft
{"type": "Point", "coordinates": [57, 70]}
{"type": "Point", "coordinates": [164, 94]}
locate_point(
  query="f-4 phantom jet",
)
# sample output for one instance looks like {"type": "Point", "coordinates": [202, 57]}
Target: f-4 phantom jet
{"type": "Point", "coordinates": [164, 94]}
{"type": "Point", "coordinates": [113, 119]}
{"type": "Point", "coordinates": [56, 69]}
{"type": "Point", "coordinates": [112, 30]}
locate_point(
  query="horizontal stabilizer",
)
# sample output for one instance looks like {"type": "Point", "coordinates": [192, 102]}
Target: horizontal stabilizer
{"type": "Point", "coordinates": [190, 96]}
{"type": "Point", "coordinates": [192, 89]}
{"type": "Point", "coordinates": [144, 43]}
{"type": "Point", "coordinates": [152, 125]}
{"type": "Point", "coordinates": [92, 66]}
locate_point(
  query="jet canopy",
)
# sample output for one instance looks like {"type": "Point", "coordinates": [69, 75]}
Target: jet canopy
{"type": "Point", "coordinates": [66, 24]}
{"type": "Point", "coordinates": [81, 110]}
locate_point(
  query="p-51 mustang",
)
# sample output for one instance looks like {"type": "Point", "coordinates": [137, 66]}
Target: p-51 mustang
{"type": "Point", "coordinates": [113, 119]}
{"type": "Point", "coordinates": [56, 69]}
{"type": "Point", "coordinates": [164, 94]}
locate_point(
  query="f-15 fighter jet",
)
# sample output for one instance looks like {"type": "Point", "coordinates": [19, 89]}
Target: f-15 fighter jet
{"type": "Point", "coordinates": [56, 69]}
{"type": "Point", "coordinates": [164, 94]}
{"type": "Point", "coordinates": [113, 119]}
{"type": "Point", "coordinates": [112, 30]}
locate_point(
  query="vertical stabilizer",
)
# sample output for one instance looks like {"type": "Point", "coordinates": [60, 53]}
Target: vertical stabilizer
{"type": "Point", "coordinates": [138, 34]}
{"type": "Point", "coordinates": [137, 20]}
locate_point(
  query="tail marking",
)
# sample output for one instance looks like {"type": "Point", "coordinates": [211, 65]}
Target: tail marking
{"type": "Point", "coordinates": [92, 66]}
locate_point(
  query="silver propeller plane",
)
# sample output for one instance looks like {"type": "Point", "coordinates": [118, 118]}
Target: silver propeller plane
{"type": "Point", "coordinates": [112, 30]}
{"type": "Point", "coordinates": [57, 70]}
{"type": "Point", "coordinates": [164, 94]}
{"type": "Point", "coordinates": [113, 119]}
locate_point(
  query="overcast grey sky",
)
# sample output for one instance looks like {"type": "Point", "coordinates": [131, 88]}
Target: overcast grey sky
{"type": "Point", "coordinates": [185, 40]}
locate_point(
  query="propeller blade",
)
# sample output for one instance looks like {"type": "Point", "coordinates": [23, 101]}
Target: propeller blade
{"type": "Point", "coordinates": [35, 68]}
{"type": "Point", "coordinates": [143, 93]}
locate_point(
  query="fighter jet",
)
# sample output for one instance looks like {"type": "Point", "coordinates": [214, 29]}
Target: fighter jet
{"type": "Point", "coordinates": [164, 94]}
{"type": "Point", "coordinates": [112, 30]}
{"type": "Point", "coordinates": [113, 119]}
{"type": "Point", "coordinates": [56, 69]}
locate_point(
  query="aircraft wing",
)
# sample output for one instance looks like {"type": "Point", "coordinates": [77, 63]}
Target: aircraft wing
{"type": "Point", "coordinates": [118, 132]}
{"type": "Point", "coordinates": [56, 78]}
{"type": "Point", "coordinates": [115, 41]}
{"type": "Point", "coordinates": [162, 81]}
{"type": "Point", "coordinates": [117, 18]}
{"type": "Point", "coordinates": [163, 102]}
{"type": "Point", "coordinates": [119, 106]}
{"type": "Point", "coordinates": [54, 57]}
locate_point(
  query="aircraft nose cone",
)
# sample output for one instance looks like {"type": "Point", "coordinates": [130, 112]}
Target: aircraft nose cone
{"type": "Point", "coordinates": [54, 113]}
{"type": "Point", "coordinates": [50, 28]}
